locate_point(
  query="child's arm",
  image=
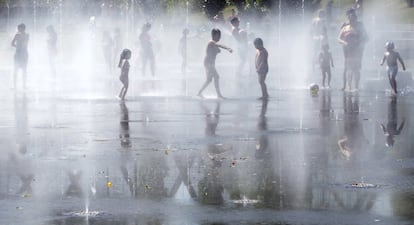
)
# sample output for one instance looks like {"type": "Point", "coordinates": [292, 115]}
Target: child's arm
{"type": "Point", "coordinates": [383, 60]}
{"type": "Point", "coordinates": [383, 128]}
{"type": "Point", "coordinates": [13, 43]}
{"type": "Point", "coordinates": [401, 127]}
{"type": "Point", "coordinates": [259, 61]}
{"type": "Point", "coordinates": [401, 61]}
{"type": "Point", "coordinates": [224, 47]}
{"type": "Point", "coordinates": [331, 59]}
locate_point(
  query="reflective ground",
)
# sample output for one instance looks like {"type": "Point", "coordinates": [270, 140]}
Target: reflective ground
{"type": "Point", "coordinates": [74, 154]}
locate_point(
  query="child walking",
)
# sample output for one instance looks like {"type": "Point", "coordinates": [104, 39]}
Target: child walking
{"type": "Point", "coordinates": [262, 66]}
{"type": "Point", "coordinates": [391, 57]}
{"type": "Point", "coordinates": [124, 65]}
{"type": "Point", "coordinates": [325, 63]}
{"type": "Point", "coordinates": [213, 48]}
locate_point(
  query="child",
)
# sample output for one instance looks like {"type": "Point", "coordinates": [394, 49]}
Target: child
{"type": "Point", "coordinates": [261, 65]}
{"type": "Point", "coordinates": [325, 63]}
{"type": "Point", "coordinates": [213, 48]}
{"type": "Point", "coordinates": [392, 66]}
{"type": "Point", "coordinates": [124, 65]}
{"type": "Point", "coordinates": [241, 37]}
{"type": "Point", "coordinates": [21, 56]}
{"type": "Point", "coordinates": [147, 52]}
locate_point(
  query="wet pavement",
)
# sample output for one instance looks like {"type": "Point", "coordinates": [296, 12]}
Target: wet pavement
{"type": "Point", "coordinates": [74, 154]}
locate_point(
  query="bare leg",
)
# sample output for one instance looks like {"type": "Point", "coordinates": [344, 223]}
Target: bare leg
{"type": "Point", "coordinates": [323, 77]}
{"type": "Point", "coordinates": [144, 64]}
{"type": "Point", "coordinates": [15, 77]}
{"type": "Point", "coordinates": [263, 86]}
{"type": "Point", "coordinates": [24, 76]}
{"type": "Point", "coordinates": [200, 93]}
{"type": "Point", "coordinates": [345, 77]}
{"type": "Point", "coordinates": [152, 64]}
{"type": "Point", "coordinates": [217, 86]}
{"type": "Point", "coordinates": [121, 92]}
{"type": "Point", "coordinates": [329, 78]}
{"type": "Point", "coordinates": [357, 75]}
{"type": "Point", "coordinates": [124, 93]}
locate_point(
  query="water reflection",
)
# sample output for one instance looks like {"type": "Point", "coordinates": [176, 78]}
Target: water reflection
{"type": "Point", "coordinates": [20, 161]}
{"type": "Point", "coordinates": [210, 187]}
{"type": "Point", "coordinates": [124, 138]}
{"type": "Point", "coordinates": [262, 147]}
{"type": "Point", "coordinates": [74, 189]}
{"type": "Point", "coordinates": [392, 129]}
{"type": "Point", "coordinates": [354, 140]}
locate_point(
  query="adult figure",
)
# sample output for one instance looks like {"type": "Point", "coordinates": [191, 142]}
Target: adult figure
{"type": "Point", "coordinates": [147, 53]}
{"type": "Point", "coordinates": [21, 56]}
{"type": "Point", "coordinates": [353, 38]}
{"type": "Point", "coordinates": [240, 36]}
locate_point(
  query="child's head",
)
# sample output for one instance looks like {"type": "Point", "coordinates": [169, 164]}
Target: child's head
{"type": "Point", "coordinates": [146, 27]}
{"type": "Point", "coordinates": [186, 31]}
{"type": "Point", "coordinates": [21, 27]}
{"type": "Point", "coordinates": [216, 35]}
{"type": "Point", "coordinates": [325, 47]}
{"type": "Point", "coordinates": [125, 54]}
{"type": "Point", "coordinates": [389, 46]}
{"type": "Point", "coordinates": [235, 21]}
{"type": "Point", "coordinates": [258, 43]}
{"type": "Point", "coordinates": [321, 13]}
{"type": "Point", "coordinates": [351, 14]}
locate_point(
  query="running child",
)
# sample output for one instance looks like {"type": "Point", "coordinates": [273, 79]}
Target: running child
{"type": "Point", "coordinates": [391, 57]}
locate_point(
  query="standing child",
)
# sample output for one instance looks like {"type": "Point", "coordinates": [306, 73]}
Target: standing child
{"type": "Point", "coordinates": [261, 65]}
{"type": "Point", "coordinates": [392, 66]}
{"type": "Point", "coordinates": [213, 48]}
{"type": "Point", "coordinates": [21, 56]}
{"type": "Point", "coordinates": [124, 65]}
{"type": "Point", "coordinates": [325, 63]}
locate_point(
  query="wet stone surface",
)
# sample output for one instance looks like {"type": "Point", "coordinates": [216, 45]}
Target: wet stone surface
{"type": "Point", "coordinates": [80, 156]}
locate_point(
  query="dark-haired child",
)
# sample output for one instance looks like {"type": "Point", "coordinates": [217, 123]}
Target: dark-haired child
{"type": "Point", "coordinates": [124, 65]}
{"type": "Point", "coordinates": [213, 48]}
{"type": "Point", "coordinates": [262, 66]}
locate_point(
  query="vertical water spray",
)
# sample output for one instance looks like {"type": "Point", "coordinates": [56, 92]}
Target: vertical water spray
{"type": "Point", "coordinates": [279, 41]}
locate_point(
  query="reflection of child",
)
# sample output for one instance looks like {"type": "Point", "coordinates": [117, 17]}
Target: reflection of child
{"type": "Point", "coordinates": [21, 56]}
{"type": "Point", "coordinates": [124, 65]}
{"type": "Point", "coordinates": [213, 48]}
{"type": "Point", "coordinates": [392, 66]}
{"type": "Point", "coordinates": [325, 63]}
{"type": "Point", "coordinates": [262, 66]}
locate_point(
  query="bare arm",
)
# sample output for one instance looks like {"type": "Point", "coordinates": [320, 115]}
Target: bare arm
{"type": "Point", "coordinates": [401, 61]}
{"type": "Point", "coordinates": [341, 143]}
{"type": "Point", "coordinates": [383, 128]}
{"type": "Point", "coordinates": [331, 59]}
{"type": "Point", "coordinates": [13, 43]}
{"type": "Point", "coordinates": [401, 127]}
{"type": "Point", "coordinates": [224, 47]}
{"type": "Point", "coordinates": [340, 38]}
{"type": "Point", "coordinates": [383, 60]}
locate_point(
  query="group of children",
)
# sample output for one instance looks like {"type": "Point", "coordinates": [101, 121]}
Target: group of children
{"type": "Point", "coordinates": [391, 57]}
{"type": "Point", "coordinates": [213, 48]}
